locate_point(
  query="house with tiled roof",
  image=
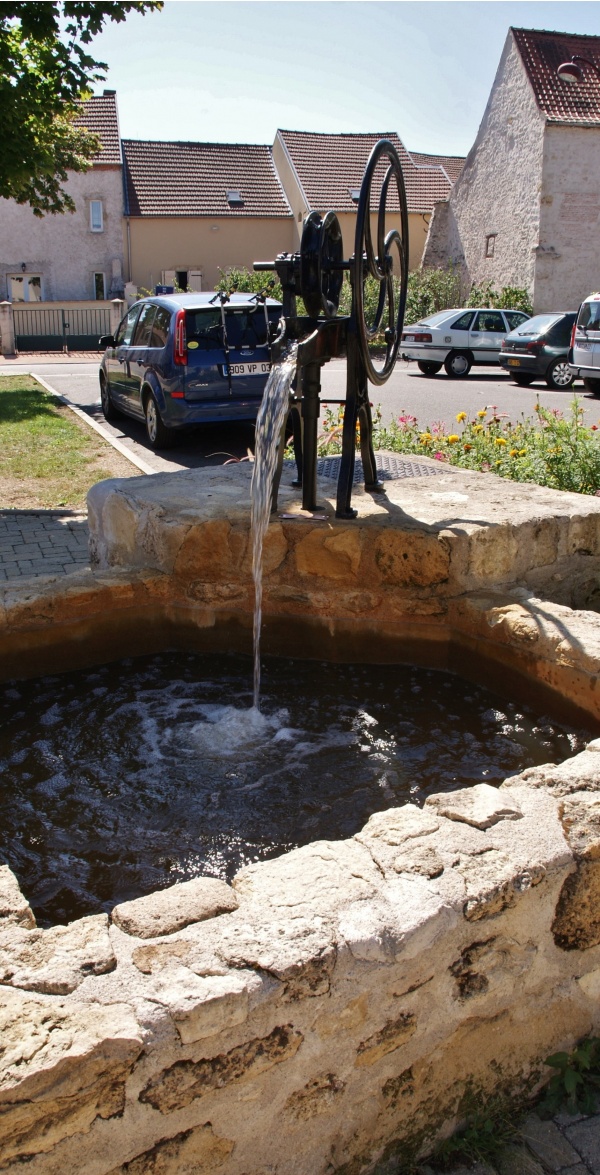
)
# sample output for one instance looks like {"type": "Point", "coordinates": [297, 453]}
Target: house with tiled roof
{"type": "Point", "coordinates": [525, 209]}
{"type": "Point", "coordinates": [71, 256]}
{"type": "Point", "coordinates": [194, 209]}
{"type": "Point", "coordinates": [325, 171]}
{"type": "Point", "coordinates": [452, 164]}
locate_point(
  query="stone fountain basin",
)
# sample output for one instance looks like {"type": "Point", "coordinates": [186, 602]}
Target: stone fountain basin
{"type": "Point", "coordinates": [331, 1008]}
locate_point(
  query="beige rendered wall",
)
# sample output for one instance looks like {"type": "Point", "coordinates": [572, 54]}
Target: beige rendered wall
{"type": "Point", "coordinates": [498, 190]}
{"type": "Point", "coordinates": [160, 243]}
{"type": "Point", "coordinates": [567, 264]}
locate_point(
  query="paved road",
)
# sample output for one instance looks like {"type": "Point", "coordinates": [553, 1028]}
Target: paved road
{"type": "Point", "coordinates": [407, 390]}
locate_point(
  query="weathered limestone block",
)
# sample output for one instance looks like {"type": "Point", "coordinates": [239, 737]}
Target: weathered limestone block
{"type": "Point", "coordinates": [480, 805]}
{"type": "Point", "coordinates": [490, 962]}
{"type": "Point", "coordinates": [187, 1081]}
{"type": "Point", "coordinates": [389, 1038]}
{"type": "Point", "coordinates": [168, 910]}
{"type": "Point", "coordinates": [330, 553]}
{"type": "Point", "coordinates": [55, 961]}
{"type": "Point", "coordinates": [197, 1151]}
{"type": "Point", "coordinates": [64, 1065]}
{"type": "Point", "coordinates": [576, 924]}
{"type": "Point", "coordinates": [206, 552]}
{"type": "Point", "coordinates": [410, 558]}
{"type": "Point", "coordinates": [203, 1006]}
{"type": "Point", "coordinates": [14, 908]}
{"type": "Point", "coordinates": [579, 773]}
{"type": "Point", "coordinates": [316, 1097]}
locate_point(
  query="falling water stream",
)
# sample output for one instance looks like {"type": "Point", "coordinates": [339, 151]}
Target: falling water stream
{"type": "Point", "coordinates": [269, 424]}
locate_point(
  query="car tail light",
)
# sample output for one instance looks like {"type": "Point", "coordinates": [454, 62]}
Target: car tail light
{"type": "Point", "coordinates": [422, 338]}
{"type": "Point", "coordinates": [180, 356]}
{"type": "Point", "coordinates": [572, 343]}
{"type": "Point", "coordinates": [535, 345]}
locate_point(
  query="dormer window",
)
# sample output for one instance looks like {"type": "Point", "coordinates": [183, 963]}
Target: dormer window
{"type": "Point", "coordinates": [354, 195]}
{"type": "Point", "coordinates": [235, 198]}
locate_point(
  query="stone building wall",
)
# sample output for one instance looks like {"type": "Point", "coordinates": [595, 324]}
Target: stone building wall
{"type": "Point", "coordinates": [567, 264]}
{"type": "Point", "coordinates": [61, 247]}
{"type": "Point", "coordinates": [498, 189]}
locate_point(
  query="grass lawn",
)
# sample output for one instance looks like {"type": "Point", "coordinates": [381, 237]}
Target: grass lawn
{"type": "Point", "coordinates": [48, 457]}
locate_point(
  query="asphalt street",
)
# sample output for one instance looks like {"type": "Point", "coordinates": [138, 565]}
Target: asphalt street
{"type": "Point", "coordinates": [429, 399]}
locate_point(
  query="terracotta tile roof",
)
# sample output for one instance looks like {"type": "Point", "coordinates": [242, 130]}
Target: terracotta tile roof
{"type": "Point", "coordinates": [99, 115]}
{"type": "Point", "coordinates": [542, 52]}
{"type": "Point", "coordinates": [193, 179]}
{"type": "Point", "coordinates": [452, 164]}
{"type": "Point", "coordinates": [330, 166]}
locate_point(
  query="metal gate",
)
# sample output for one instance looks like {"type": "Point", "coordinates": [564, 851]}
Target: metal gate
{"type": "Point", "coordinates": [56, 329]}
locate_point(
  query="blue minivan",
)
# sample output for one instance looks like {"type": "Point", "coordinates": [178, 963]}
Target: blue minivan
{"type": "Point", "coordinates": [184, 359]}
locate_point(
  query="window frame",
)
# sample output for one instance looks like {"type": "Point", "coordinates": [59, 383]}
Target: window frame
{"type": "Point", "coordinates": [99, 273]}
{"type": "Point", "coordinates": [96, 228]}
{"type": "Point", "coordinates": [490, 244]}
{"type": "Point", "coordinates": [25, 278]}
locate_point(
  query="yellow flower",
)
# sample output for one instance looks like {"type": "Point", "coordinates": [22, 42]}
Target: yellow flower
{"type": "Point", "coordinates": [514, 452]}
{"type": "Point", "coordinates": [453, 438]}
{"type": "Point", "coordinates": [497, 463]}
{"type": "Point", "coordinates": [477, 428]}
{"type": "Point", "coordinates": [482, 413]}
{"type": "Point", "coordinates": [461, 416]}
{"type": "Point", "coordinates": [522, 452]}
{"type": "Point", "coordinates": [499, 441]}
{"type": "Point", "coordinates": [425, 438]}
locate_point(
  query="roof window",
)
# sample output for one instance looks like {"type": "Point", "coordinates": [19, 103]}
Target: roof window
{"type": "Point", "coordinates": [235, 198]}
{"type": "Point", "coordinates": [354, 194]}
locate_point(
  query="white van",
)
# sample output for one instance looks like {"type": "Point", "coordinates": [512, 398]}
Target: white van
{"type": "Point", "coordinates": [584, 356]}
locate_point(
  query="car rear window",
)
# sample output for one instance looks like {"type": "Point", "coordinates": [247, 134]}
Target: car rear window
{"type": "Point", "coordinates": [245, 327]}
{"type": "Point", "coordinates": [538, 325]}
{"type": "Point", "coordinates": [589, 316]}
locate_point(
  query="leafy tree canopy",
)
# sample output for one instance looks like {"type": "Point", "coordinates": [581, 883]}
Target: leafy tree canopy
{"type": "Point", "coordinates": [45, 72]}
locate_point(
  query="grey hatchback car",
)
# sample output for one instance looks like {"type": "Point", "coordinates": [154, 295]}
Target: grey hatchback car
{"type": "Point", "coordinates": [186, 359]}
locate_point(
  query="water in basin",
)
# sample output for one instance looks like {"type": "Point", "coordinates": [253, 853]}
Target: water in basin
{"type": "Point", "coordinates": [139, 774]}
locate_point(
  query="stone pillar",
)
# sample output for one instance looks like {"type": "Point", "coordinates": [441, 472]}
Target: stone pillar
{"type": "Point", "coordinates": [117, 310]}
{"type": "Point", "coordinates": [7, 328]}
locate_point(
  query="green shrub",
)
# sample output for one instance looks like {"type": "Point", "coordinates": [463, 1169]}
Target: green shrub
{"type": "Point", "coordinates": [576, 1083]}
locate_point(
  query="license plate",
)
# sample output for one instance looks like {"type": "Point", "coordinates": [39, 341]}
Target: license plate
{"type": "Point", "coordinates": [514, 363]}
{"type": "Point", "coordinates": [249, 368]}
{"type": "Point", "coordinates": [409, 338]}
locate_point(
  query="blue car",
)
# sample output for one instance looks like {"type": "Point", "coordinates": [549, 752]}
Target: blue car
{"type": "Point", "coordinates": [187, 359]}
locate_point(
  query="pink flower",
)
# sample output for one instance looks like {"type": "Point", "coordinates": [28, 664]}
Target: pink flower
{"type": "Point", "coordinates": [439, 457]}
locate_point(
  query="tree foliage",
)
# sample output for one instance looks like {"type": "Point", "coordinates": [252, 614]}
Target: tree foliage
{"type": "Point", "coordinates": [45, 72]}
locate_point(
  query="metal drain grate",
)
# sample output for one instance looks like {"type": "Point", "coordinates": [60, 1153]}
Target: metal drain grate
{"type": "Point", "coordinates": [388, 468]}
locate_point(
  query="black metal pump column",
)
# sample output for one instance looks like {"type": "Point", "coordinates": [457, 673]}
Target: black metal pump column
{"type": "Point", "coordinates": [316, 274]}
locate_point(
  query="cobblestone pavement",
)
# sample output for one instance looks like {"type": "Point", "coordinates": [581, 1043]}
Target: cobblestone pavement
{"type": "Point", "coordinates": [567, 1145]}
{"type": "Point", "coordinates": [42, 542]}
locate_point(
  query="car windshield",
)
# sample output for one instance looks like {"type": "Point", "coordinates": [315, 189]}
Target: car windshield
{"type": "Point", "coordinates": [589, 316]}
{"type": "Point", "coordinates": [536, 326]}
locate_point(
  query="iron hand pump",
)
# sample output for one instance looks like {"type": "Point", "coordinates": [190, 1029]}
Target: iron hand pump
{"type": "Point", "coordinates": [316, 274]}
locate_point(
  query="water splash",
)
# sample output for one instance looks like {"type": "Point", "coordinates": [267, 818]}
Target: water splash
{"type": "Point", "coordinates": [269, 424]}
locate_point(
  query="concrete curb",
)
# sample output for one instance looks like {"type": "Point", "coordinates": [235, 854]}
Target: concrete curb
{"type": "Point", "coordinates": [99, 428]}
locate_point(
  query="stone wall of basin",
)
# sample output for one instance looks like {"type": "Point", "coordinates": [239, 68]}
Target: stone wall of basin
{"type": "Point", "coordinates": [336, 1007]}
{"type": "Point", "coordinates": [331, 1010]}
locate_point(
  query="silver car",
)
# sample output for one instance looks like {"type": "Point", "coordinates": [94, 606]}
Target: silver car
{"type": "Point", "coordinates": [457, 339]}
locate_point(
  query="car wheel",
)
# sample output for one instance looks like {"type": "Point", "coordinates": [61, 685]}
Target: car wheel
{"type": "Point", "coordinates": [592, 385]}
{"type": "Point", "coordinates": [457, 364]}
{"type": "Point", "coordinates": [159, 436]}
{"type": "Point", "coordinates": [559, 375]}
{"type": "Point", "coordinates": [523, 380]}
{"type": "Point", "coordinates": [108, 409]}
{"type": "Point", "coordinates": [428, 367]}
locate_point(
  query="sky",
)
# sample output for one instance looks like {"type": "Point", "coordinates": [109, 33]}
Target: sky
{"type": "Point", "coordinates": [235, 72]}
